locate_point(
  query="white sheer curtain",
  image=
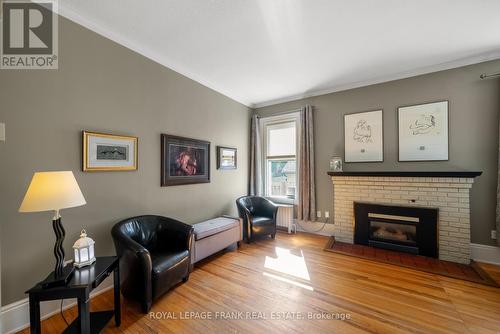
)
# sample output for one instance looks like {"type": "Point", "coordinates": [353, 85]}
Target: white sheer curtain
{"type": "Point", "coordinates": [256, 182]}
{"type": "Point", "coordinates": [306, 210]}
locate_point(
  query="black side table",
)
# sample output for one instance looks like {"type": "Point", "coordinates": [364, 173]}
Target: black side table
{"type": "Point", "coordinates": [83, 281]}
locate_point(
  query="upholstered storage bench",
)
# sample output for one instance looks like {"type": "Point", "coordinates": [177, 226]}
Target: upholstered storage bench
{"type": "Point", "coordinates": [214, 235]}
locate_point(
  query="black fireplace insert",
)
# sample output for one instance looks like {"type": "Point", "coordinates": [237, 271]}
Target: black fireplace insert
{"type": "Point", "coordinates": [407, 229]}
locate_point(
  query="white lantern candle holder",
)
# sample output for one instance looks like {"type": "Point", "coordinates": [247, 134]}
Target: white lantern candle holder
{"type": "Point", "coordinates": [84, 251]}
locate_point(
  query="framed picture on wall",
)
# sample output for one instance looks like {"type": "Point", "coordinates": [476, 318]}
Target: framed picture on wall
{"type": "Point", "coordinates": [336, 164]}
{"type": "Point", "coordinates": [106, 152]}
{"type": "Point", "coordinates": [423, 132]}
{"type": "Point", "coordinates": [226, 157]}
{"type": "Point", "coordinates": [363, 137]}
{"type": "Point", "coordinates": [184, 161]}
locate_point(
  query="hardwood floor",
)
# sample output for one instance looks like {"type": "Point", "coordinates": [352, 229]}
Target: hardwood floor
{"type": "Point", "coordinates": [294, 274]}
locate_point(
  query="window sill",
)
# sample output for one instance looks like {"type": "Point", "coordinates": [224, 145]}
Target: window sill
{"type": "Point", "coordinates": [281, 200]}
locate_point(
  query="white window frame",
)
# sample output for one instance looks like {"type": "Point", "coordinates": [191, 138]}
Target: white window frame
{"type": "Point", "coordinates": [274, 120]}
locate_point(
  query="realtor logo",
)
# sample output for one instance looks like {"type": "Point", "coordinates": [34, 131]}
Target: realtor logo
{"type": "Point", "coordinates": [29, 35]}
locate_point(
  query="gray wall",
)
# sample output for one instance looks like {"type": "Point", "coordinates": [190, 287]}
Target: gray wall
{"type": "Point", "coordinates": [102, 86]}
{"type": "Point", "coordinates": [474, 110]}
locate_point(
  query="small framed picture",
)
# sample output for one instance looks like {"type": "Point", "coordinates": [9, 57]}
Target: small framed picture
{"type": "Point", "coordinates": [364, 137]}
{"type": "Point", "coordinates": [226, 157]}
{"type": "Point", "coordinates": [184, 161]}
{"type": "Point", "coordinates": [423, 132]}
{"type": "Point", "coordinates": [106, 152]}
{"type": "Point", "coordinates": [336, 164]}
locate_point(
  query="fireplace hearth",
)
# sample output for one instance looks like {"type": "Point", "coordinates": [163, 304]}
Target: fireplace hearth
{"type": "Point", "coordinates": [406, 229]}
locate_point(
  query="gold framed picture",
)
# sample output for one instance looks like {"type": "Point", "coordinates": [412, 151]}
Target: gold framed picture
{"type": "Point", "coordinates": [106, 152]}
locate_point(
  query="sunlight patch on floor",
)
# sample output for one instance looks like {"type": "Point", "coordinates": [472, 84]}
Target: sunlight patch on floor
{"type": "Point", "coordinates": [286, 280]}
{"type": "Point", "coordinates": [288, 262]}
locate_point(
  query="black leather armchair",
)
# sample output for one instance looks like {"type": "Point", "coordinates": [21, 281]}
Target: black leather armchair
{"type": "Point", "coordinates": [259, 216]}
{"type": "Point", "coordinates": [155, 254]}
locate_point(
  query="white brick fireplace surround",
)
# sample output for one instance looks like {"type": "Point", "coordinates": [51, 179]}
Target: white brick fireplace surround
{"type": "Point", "coordinates": [447, 191]}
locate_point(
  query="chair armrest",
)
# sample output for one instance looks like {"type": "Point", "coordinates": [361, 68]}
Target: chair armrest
{"type": "Point", "coordinates": [125, 243]}
{"type": "Point", "coordinates": [175, 235]}
{"type": "Point", "coordinates": [269, 209]}
{"type": "Point", "coordinates": [135, 263]}
{"type": "Point", "coordinates": [248, 215]}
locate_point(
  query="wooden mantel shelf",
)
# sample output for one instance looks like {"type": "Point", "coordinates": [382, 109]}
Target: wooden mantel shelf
{"type": "Point", "coordinates": [408, 174]}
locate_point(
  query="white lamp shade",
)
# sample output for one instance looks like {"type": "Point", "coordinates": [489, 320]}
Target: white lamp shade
{"type": "Point", "coordinates": [52, 191]}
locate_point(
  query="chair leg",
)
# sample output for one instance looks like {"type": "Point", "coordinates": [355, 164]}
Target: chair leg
{"type": "Point", "coordinates": [146, 306]}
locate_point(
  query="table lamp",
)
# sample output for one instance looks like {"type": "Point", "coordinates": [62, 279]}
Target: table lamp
{"type": "Point", "coordinates": [53, 191]}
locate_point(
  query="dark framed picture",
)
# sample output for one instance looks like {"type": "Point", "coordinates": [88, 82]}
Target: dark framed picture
{"type": "Point", "coordinates": [423, 132]}
{"type": "Point", "coordinates": [106, 152]}
{"type": "Point", "coordinates": [184, 161]}
{"type": "Point", "coordinates": [226, 157]}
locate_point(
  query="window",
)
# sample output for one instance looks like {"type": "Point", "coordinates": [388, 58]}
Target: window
{"type": "Point", "coordinates": [280, 157]}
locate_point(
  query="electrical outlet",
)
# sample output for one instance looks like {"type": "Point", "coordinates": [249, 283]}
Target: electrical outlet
{"type": "Point", "coordinates": [318, 214]}
{"type": "Point", "coordinates": [2, 131]}
{"type": "Point", "coordinates": [327, 214]}
{"type": "Point", "coordinates": [493, 234]}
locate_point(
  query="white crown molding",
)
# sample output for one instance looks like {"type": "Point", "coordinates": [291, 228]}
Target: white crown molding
{"type": "Point", "coordinates": [485, 253]}
{"type": "Point", "coordinates": [402, 75]}
{"type": "Point", "coordinates": [16, 316]}
{"type": "Point", "coordinates": [142, 50]}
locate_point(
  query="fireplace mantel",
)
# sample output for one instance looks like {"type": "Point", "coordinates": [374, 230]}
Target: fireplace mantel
{"type": "Point", "coordinates": [463, 174]}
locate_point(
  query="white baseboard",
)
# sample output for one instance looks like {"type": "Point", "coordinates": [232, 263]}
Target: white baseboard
{"type": "Point", "coordinates": [314, 227]}
{"type": "Point", "coordinates": [16, 316]}
{"type": "Point", "coordinates": [485, 253]}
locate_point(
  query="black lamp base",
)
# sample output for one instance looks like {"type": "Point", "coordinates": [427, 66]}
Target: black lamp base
{"type": "Point", "coordinates": [61, 274]}
{"type": "Point", "coordinates": [54, 280]}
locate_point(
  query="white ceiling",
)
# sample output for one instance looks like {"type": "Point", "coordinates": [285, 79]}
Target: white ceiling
{"type": "Point", "coordinates": [266, 51]}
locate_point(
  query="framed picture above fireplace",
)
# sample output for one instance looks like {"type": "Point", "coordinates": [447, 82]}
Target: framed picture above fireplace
{"type": "Point", "coordinates": [363, 137]}
{"type": "Point", "coordinates": [423, 132]}
{"type": "Point", "coordinates": [184, 161]}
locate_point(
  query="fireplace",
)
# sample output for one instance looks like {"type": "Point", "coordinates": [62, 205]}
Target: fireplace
{"type": "Point", "coordinates": [448, 192]}
{"type": "Point", "coordinates": [407, 229]}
